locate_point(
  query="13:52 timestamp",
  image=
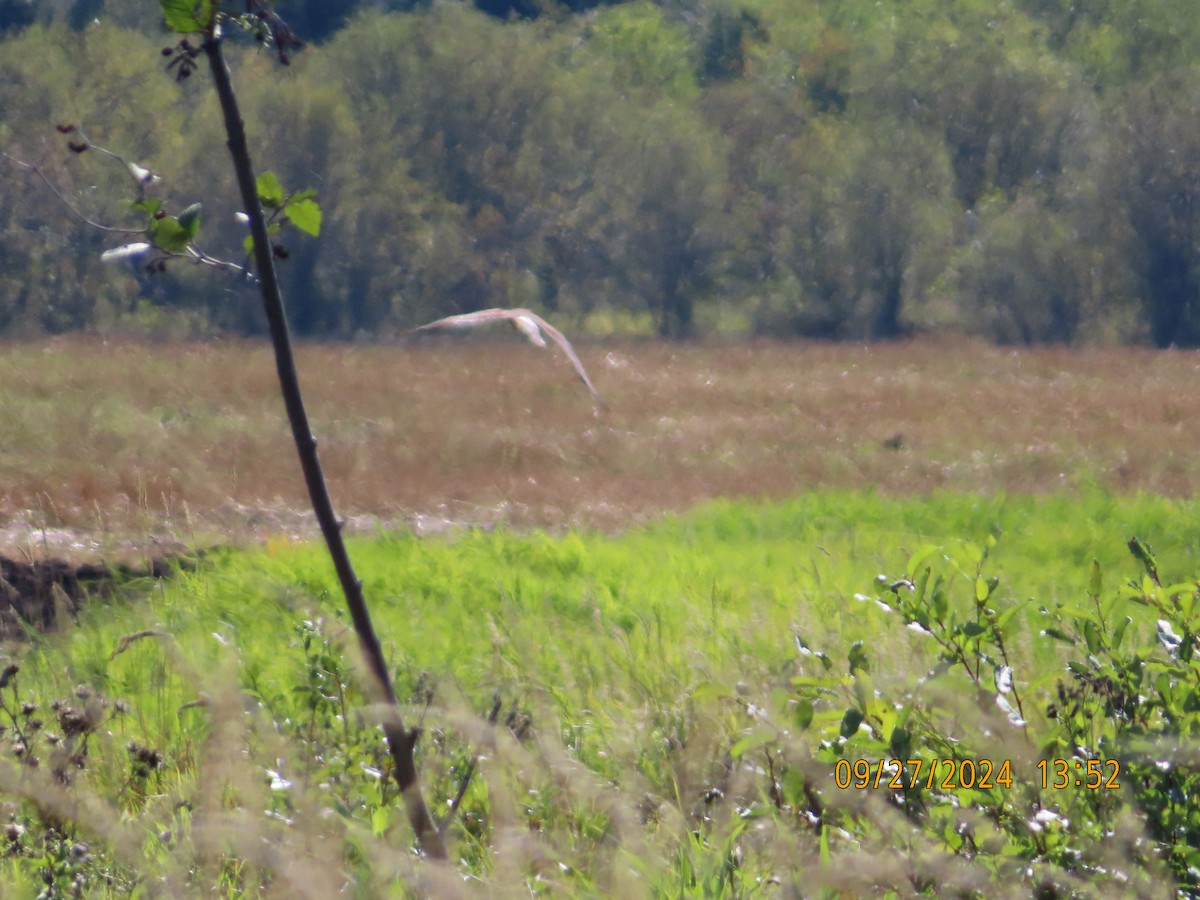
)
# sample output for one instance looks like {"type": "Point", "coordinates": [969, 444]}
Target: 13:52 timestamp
{"type": "Point", "coordinates": [1093, 774]}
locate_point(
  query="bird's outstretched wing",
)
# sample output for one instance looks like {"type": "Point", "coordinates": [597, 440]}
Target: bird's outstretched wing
{"type": "Point", "coordinates": [531, 325]}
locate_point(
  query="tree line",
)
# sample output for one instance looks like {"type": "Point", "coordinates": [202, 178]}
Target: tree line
{"type": "Point", "coordinates": [840, 169]}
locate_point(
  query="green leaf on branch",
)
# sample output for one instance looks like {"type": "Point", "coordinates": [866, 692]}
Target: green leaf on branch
{"type": "Point", "coordinates": [169, 235]}
{"type": "Point", "coordinates": [147, 205]}
{"type": "Point", "coordinates": [850, 722]}
{"type": "Point", "coordinates": [1096, 582]}
{"type": "Point", "coordinates": [270, 191]}
{"type": "Point", "coordinates": [188, 16]}
{"type": "Point", "coordinates": [189, 220]}
{"type": "Point", "coordinates": [1092, 636]}
{"type": "Point", "coordinates": [248, 241]}
{"type": "Point", "coordinates": [759, 737]}
{"type": "Point", "coordinates": [982, 589]}
{"type": "Point", "coordinates": [901, 742]}
{"type": "Point", "coordinates": [305, 213]}
{"type": "Point", "coordinates": [1119, 632]}
{"type": "Point", "coordinates": [1058, 635]}
{"type": "Point", "coordinates": [803, 714]}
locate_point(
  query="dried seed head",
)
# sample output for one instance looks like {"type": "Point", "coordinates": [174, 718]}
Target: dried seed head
{"type": "Point", "coordinates": [74, 721]}
{"type": "Point", "coordinates": [65, 128]}
{"type": "Point", "coordinates": [7, 673]}
{"type": "Point", "coordinates": [77, 146]}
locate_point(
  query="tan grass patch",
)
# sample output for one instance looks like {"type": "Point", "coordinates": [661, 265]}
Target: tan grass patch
{"type": "Point", "coordinates": [121, 441]}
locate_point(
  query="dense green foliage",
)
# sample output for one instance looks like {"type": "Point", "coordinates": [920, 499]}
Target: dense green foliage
{"type": "Point", "coordinates": [825, 168]}
{"type": "Point", "coordinates": [679, 709]}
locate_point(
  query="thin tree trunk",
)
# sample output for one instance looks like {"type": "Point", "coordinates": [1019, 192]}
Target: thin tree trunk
{"type": "Point", "coordinates": [401, 741]}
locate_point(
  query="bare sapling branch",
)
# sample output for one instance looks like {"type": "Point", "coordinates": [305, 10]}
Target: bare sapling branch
{"type": "Point", "coordinates": [163, 238]}
{"type": "Point", "coordinates": [401, 740]}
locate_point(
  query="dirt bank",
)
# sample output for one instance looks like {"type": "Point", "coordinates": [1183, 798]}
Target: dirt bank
{"type": "Point", "coordinates": [42, 594]}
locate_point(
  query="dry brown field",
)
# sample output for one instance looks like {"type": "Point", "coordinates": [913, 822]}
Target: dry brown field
{"type": "Point", "coordinates": [111, 446]}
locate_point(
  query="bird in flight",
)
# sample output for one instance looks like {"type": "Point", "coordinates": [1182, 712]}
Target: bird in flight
{"type": "Point", "coordinates": [529, 324]}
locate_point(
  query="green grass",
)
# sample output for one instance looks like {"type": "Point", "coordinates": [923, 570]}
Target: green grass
{"type": "Point", "coordinates": [640, 671]}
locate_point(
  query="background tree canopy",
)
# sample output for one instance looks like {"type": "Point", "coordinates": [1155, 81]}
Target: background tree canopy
{"type": "Point", "coordinates": [848, 170]}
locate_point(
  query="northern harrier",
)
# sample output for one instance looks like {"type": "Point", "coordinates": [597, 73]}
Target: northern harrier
{"type": "Point", "coordinates": [529, 324]}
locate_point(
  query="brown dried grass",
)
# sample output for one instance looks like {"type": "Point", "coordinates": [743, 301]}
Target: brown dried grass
{"type": "Point", "coordinates": [104, 442]}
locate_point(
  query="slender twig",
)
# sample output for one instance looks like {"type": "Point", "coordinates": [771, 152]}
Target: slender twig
{"type": "Point", "coordinates": [468, 774]}
{"type": "Point", "coordinates": [200, 258]}
{"type": "Point", "coordinates": [30, 167]}
{"type": "Point", "coordinates": [193, 254]}
{"type": "Point", "coordinates": [401, 740]}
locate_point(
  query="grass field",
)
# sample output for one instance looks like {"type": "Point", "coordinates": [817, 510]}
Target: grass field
{"type": "Point", "coordinates": [114, 446]}
{"type": "Point", "coordinates": [672, 728]}
{"type": "Point", "coordinates": [912, 551]}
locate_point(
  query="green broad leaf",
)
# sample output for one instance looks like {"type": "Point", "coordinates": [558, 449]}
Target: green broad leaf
{"type": "Point", "coordinates": [270, 191]}
{"type": "Point", "coordinates": [920, 555]}
{"type": "Point", "coordinates": [305, 214]}
{"type": "Point", "coordinates": [712, 690]}
{"type": "Point", "coordinates": [864, 691]}
{"type": "Point", "coordinates": [189, 220]}
{"type": "Point", "coordinates": [973, 629]}
{"type": "Point", "coordinates": [147, 205]}
{"type": "Point", "coordinates": [187, 16]}
{"type": "Point", "coordinates": [757, 738]}
{"type": "Point", "coordinates": [169, 235]}
{"type": "Point", "coordinates": [1001, 621]}
{"type": "Point", "coordinates": [1119, 632]}
{"type": "Point", "coordinates": [1165, 687]}
{"type": "Point", "coordinates": [941, 604]}
{"type": "Point", "coordinates": [982, 589]}
{"type": "Point", "coordinates": [1096, 584]}
{"type": "Point", "coordinates": [850, 722]}
{"type": "Point", "coordinates": [792, 783]}
{"type": "Point", "coordinates": [779, 701]}
{"type": "Point", "coordinates": [1058, 635]}
{"type": "Point", "coordinates": [901, 742]}
{"type": "Point", "coordinates": [972, 552]}
{"type": "Point", "coordinates": [922, 584]}
{"type": "Point", "coordinates": [381, 820]}
{"type": "Point", "coordinates": [802, 715]}
{"type": "Point", "coordinates": [1091, 636]}
{"type": "Point", "coordinates": [858, 658]}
